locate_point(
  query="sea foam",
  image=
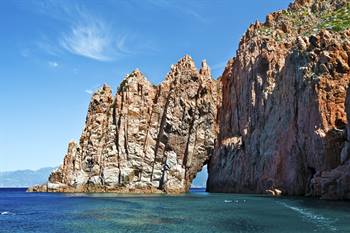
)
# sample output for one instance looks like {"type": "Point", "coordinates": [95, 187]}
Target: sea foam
{"type": "Point", "coordinates": [7, 213]}
{"type": "Point", "coordinates": [312, 217]}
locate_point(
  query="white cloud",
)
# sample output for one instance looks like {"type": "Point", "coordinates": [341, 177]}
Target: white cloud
{"type": "Point", "coordinates": [53, 64]}
{"type": "Point", "coordinates": [121, 45]}
{"type": "Point", "coordinates": [50, 48]}
{"type": "Point", "coordinates": [92, 89]}
{"type": "Point", "coordinates": [89, 39]}
{"type": "Point", "coordinates": [86, 35]}
{"type": "Point", "coordinates": [90, 92]}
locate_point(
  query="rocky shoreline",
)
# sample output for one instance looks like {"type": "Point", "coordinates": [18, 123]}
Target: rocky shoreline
{"type": "Point", "coordinates": [146, 138]}
{"type": "Point", "coordinates": [283, 122]}
{"type": "Point", "coordinates": [276, 121]}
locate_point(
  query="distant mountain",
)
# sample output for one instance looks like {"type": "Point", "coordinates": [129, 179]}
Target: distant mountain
{"type": "Point", "coordinates": [24, 178]}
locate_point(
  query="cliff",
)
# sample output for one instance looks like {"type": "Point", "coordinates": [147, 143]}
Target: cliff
{"type": "Point", "coordinates": [283, 119]}
{"type": "Point", "coordinates": [276, 121]}
{"type": "Point", "coordinates": [146, 138]}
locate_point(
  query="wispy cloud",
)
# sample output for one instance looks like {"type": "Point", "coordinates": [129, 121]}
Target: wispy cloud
{"type": "Point", "coordinates": [90, 92]}
{"type": "Point", "coordinates": [195, 14]}
{"type": "Point", "coordinates": [121, 44]}
{"type": "Point", "coordinates": [89, 39]}
{"type": "Point", "coordinates": [49, 47]}
{"type": "Point", "coordinates": [53, 64]}
{"type": "Point", "coordinates": [84, 34]}
{"type": "Point", "coordinates": [89, 36]}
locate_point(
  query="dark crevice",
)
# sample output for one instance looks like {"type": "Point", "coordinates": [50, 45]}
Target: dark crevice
{"type": "Point", "coordinates": [311, 172]}
{"type": "Point", "coordinates": [186, 170]}
{"type": "Point", "coordinates": [145, 141]}
{"type": "Point", "coordinates": [140, 90]}
{"type": "Point", "coordinates": [105, 132]}
{"type": "Point", "coordinates": [73, 165]}
{"type": "Point", "coordinates": [237, 109]}
{"type": "Point", "coordinates": [300, 156]}
{"type": "Point", "coordinates": [126, 140]}
{"type": "Point", "coordinates": [147, 131]}
{"type": "Point", "coordinates": [161, 129]}
{"type": "Point", "coordinates": [191, 126]}
{"type": "Point", "coordinates": [118, 124]}
{"type": "Point", "coordinates": [188, 141]}
{"type": "Point", "coordinates": [164, 170]}
{"type": "Point", "coordinates": [90, 164]}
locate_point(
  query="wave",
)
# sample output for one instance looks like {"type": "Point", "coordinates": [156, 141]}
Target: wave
{"type": "Point", "coordinates": [7, 213]}
{"type": "Point", "coordinates": [308, 215]}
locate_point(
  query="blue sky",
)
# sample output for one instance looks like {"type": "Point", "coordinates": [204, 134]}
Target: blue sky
{"type": "Point", "coordinates": [54, 54]}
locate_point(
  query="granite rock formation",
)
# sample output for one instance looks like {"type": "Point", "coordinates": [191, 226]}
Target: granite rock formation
{"type": "Point", "coordinates": [281, 128]}
{"type": "Point", "coordinates": [145, 139]}
{"type": "Point", "coordinates": [283, 120]}
{"type": "Point", "coordinates": [335, 183]}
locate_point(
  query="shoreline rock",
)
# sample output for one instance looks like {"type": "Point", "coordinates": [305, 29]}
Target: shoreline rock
{"type": "Point", "coordinates": [283, 120]}
{"type": "Point", "coordinates": [277, 117]}
{"type": "Point", "coordinates": [147, 137]}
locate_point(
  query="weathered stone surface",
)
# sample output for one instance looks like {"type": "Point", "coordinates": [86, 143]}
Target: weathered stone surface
{"type": "Point", "coordinates": [335, 183]}
{"type": "Point", "coordinates": [282, 120]}
{"type": "Point", "coordinates": [147, 138]}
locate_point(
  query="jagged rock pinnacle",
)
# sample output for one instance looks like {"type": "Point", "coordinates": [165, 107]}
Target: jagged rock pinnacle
{"type": "Point", "coordinates": [136, 77]}
{"type": "Point", "coordinates": [136, 73]}
{"type": "Point", "coordinates": [205, 70]}
{"type": "Point", "coordinates": [146, 139]}
{"type": "Point", "coordinates": [105, 89]}
{"type": "Point", "coordinates": [186, 63]}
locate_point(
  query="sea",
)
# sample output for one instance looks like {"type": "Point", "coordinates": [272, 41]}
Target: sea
{"type": "Point", "coordinates": [196, 211]}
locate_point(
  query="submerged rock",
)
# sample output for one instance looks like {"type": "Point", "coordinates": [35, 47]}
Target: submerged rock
{"type": "Point", "coordinates": [274, 192]}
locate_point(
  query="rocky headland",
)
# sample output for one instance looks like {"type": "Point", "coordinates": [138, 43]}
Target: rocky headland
{"type": "Point", "coordinates": [276, 120]}
{"type": "Point", "coordinates": [146, 138]}
{"type": "Point", "coordinates": [283, 117]}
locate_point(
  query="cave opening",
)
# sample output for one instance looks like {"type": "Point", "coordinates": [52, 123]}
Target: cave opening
{"type": "Point", "coordinates": [200, 181]}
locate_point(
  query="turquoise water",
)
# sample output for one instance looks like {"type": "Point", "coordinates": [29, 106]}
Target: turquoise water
{"type": "Point", "coordinates": [193, 212]}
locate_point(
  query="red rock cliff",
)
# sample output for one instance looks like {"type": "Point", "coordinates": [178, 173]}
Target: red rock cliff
{"type": "Point", "coordinates": [282, 120]}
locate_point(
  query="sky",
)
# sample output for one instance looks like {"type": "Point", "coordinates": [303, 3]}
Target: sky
{"type": "Point", "coordinates": [54, 54]}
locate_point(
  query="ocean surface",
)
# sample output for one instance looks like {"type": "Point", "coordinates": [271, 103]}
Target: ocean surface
{"type": "Point", "coordinates": [196, 211]}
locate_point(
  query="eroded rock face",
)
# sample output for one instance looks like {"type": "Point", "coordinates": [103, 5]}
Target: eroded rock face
{"type": "Point", "coordinates": [335, 183]}
{"type": "Point", "coordinates": [282, 120]}
{"type": "Point", "coordinates": [147, 138]}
